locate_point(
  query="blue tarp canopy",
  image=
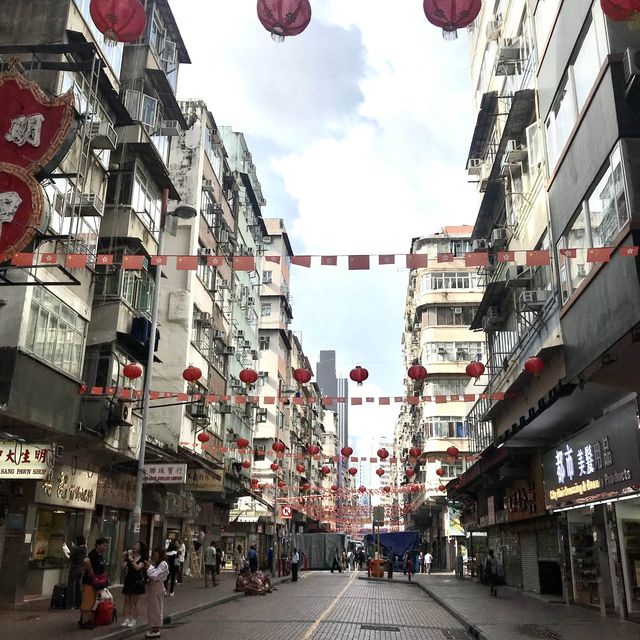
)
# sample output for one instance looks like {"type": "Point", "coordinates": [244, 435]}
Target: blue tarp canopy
{"type": "Point", "coordinates": [398, 543]}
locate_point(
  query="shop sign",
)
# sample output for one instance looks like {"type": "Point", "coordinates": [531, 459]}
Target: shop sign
{"type": "Point", "coordinates": [24, 461]}
{"type": "Point", "coordinates": [68, 487]}
{"type": "Point", "coordinates": [455, 522]}
{"type": "Point", "coordinates": [165, 473]}
{"type": "Point", "coordinates": [202, 480]}
{"type": "Point", "coordinates": [602, 461]}
{"type": "Point", "coordinates": [116, 490]}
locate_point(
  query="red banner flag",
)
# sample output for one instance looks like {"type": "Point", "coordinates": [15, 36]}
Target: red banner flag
{"type": "Point", "coordinates": [215, 261]}
{"type": "Point", "coordinates": [356, 401]}
{"type": "Point", "coordinates": [476, 259]}
{"type": "Point", "coordinates": [158, 261]}
{"type": "Point", "coordinates": [329, 261]}
{"type": "Point", "coordinates": [187, 263]}
{"type": "Point", "coordinates": [49, 258]}
{"type": "Point", "coordinates": [76, 260]}
{"type": "Point", "coordinates": [387, 259]}
{"type": "Point", "coordinates": [417, 260]}
{"type": "Point", "coordinates": [629, 251]}
{"type": "Point", "coordinates": [275, 259]}
{"type": "Point", "coordinates": [445, 257]}
{"type": "Point", "coordinates": [441, 399]}
{"type": "Point", "coordinates": [538, 258]}
{"type": "Point", "coordinates": [132, 262]}
{"type": "Point", "coordinates": [568, 253]}
{"type": "Point", "coordinates": [22, 259]}
{"type": "Point", "coordinates": [269, 400]}
{"type": "Point", "coordinates": [104, 258]}
{"type": "Point", "coordinates": [398, 399]}
{"type": "Point", "coordinates": [244, 263]}
{"type": "Point", "coordinates": [413, 399]}
{"type": "Point", "coordinates": [357, 263]}
{"type": "Point", "coordinates": [301, 261]}
{"type": "Point", "coordinates": [506, 256]}
{"type": "Point", "coordinates": [602, 254]}
{"type": "Point", "coordinates": [370, 399]}
{"type": "Point", "coordinates": [469, 397]}
{"type": "Point", "coordinates": [384, 400]}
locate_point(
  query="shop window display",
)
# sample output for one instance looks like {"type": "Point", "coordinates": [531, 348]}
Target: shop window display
{"type": "Point", "coordinates": [628, 515]}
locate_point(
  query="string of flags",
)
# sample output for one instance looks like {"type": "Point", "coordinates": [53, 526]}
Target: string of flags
{"type": "Point", "coordinates": [534, 258]}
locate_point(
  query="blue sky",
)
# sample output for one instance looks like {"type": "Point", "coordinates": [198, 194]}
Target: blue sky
{"type": "Point", "coordinates": [359, 129]}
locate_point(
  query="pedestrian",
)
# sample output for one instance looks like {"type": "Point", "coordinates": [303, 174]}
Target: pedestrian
{"type": "Point", "coordinates": [270, 559]}
{"type": "Point", "coordinates": [459, 565]}
{"type": "Point", "coordinates": [238, 560]}
{"type": "Point", "coordinates": [218, 558]}
{"type": "Point", "coordinates": [94, 579]}
{"type": "Point", "coordinates": [210, 555]}
{"type": "Point", "coordinates": [157, 572]}
{"type": "Point", "coordinates": [405, 559]}
{"type": "Point", "coordinates": [335, 564]}
{"type": "Point", "coordinates": [295, 563]}
{"type": "Point", "coordinates": [409, 566]}
{"type": "Point", "coordinates": [491, 573]}
{"type": "Point", "coordinates": [350, 560]}
{"type": "Point", "coordinates": [182, 556]}
{"type": "Point", "coordinates": [252, 556]}
{"type": "Point", "coordinates": [77, 554]}
{"type": "Point", "coordinates": [421, 562]}
{"type": "Point", "coordinates": [171, 556]}
{"type": "Point", "coordinates": [223, 557]}
{"type": "Point", "coordinates": [134, 582]}
{"type": "Point", "coordinates": [428, 560]}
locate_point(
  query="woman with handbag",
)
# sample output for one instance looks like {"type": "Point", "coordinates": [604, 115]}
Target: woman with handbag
{"type": "Point", "coordinates": [93, 580]}
{"type": "Point", "coordinates": [134, 582]}
{"type": "Point", "coordinates": [157, 572]}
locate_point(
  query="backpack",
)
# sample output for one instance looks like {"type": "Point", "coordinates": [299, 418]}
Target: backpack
{"type": "Point", "coordinates": [105, 613]}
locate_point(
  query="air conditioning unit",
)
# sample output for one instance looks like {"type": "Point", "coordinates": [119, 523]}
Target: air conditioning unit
{"type": "Point", "coordinates": [457, 311]}
{"type": "Point", "coordinates": [121, 414]}
{"type": "Point", "coordinates": [500, 237]}
{"type": "Point", "coordinates": [534, 299]}
{"type": "Point", "coordinates": [90, 205]}
{"type": "Point", "coordinates": [254, 354]}
{"type": "Point", "coordinates": [208, 186]}
{"type": "Point", "coordinates": [239, 333]}
{"type": "Point", "coordinates": [223, 237]}
{"type": "Point", "coordinates": [206, 251]}
{"type": "Point", "coordinates": [246, 345]}
{"type": "Point", "coordinates": [218, 334]}
{"type": "Point", "coordinates": [251, 300]}
{"type": "Point", "coordinates": [485, 172]}
{"type": "Point", "coordinates": [474, 166]}
{"type": "Point", "coordinates": [169, 128]}
{"type": "Point", "coordinates": [229, 351]}
{"type": "Point", "coordinates": [261, 415]}
{"type": "Point", "coordinates": [509, 50]}
{"type": "Point", "coordinates": [267, 239]}
{"type": "Point", "coordinates": [223, 284]}
{"type": "Point", "coordinates": [103, 136]}
{"type": "Point", "coordinates": [494, 29]}
{"type": "Point", "coordinates": [534, 146]}
{"type": "Point", "coordinates": [479, 244]}
{"type": "Point", "coordinates": [263, 374]}
{"type": "Point", "coordinates": [517, 277]}
{"type": "Point", "coordinates": [515, 153]}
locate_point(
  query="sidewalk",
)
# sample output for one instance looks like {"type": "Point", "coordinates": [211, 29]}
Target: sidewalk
{"type": "Point", "coordinates": [36, 621]}
{"type": "Point", "coordinates": [514, 615]}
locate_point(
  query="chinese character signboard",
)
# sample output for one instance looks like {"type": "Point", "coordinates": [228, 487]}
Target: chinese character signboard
{"type": "Point", "coordinates": [167, 473]}
{"type": "Point", "coordinates": [202, 480]}
{"type": "Point", "coordinates": [602, 461]}
{"type": "Point", "coordinates": [22, 461]}
{"type": "Point", "coordinates": [68, 487]}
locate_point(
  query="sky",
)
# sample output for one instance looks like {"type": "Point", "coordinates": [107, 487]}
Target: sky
{"type": "Point", "coordinates": [359, 129]}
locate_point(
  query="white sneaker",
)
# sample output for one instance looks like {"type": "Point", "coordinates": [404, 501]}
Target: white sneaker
{"type": "Point", "coordinates": [125, 622]}
{"type": "Point", "coordinates": [131, 623]}
{"type": "Point", "coordinates": [172, 594]}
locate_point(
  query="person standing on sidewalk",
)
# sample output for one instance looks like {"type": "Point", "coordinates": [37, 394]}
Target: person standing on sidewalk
{"type": "Point", "coordinates": [252, 556]}
{"type": "Point", "coordinates": [491, 573]}
{"type": "Point", "coordinates": [270, 559]}
{"type": "Point", "coordinates": [210, 555]}
{"type": "Point", "coordinates": [76, 568]}
{"type": "Point", "coordinates": [421, 562]}
{"type": "Point", "coordinates": [182, 556]}
{"type": "Point", "coordinates": [238, 560]}
{"type": "Point", "coordinates": [428, 560]}
{"type": "Point", "coordinates": [218, 558]}
{"type": "Point", "coordinates": [171, 552]}
{"type": "Point", "coordinates": [93, 579]}
{"type": "Point", "coordinates": [134, 582]}
{"type": "Point", "coordinates": [295, 563]}
{"type": "Point", "coordinates": [157, 572]}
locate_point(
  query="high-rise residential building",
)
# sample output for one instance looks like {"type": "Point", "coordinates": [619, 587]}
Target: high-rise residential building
{"type": "Point", "coordinates": [442, 300]}
{"type": "Point", "coordinates": [334, 387]}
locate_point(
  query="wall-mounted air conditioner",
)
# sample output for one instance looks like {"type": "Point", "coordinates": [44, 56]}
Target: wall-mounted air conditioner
{"type": "Point", "coordinates": [534, 299]}
{"type": "Point", "coordinates": [206, 251]}
{"type": "Point", "coordinates": [494, 29]}
{"type": "Point", "coordinates": [103, 136]}
{"type": "Point", "coordinates": [474, 166]}
{"type": "Point", "coordinates": [169, 128]}
{"type": "Point", "coordinates": [208, 186]}
{"type": "Point", "coordinates": [500, 237]}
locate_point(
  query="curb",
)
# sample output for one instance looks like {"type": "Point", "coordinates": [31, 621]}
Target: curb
{"type": "Point", "coordinates": [469, 627]}
{"type": "Point", "coordinates": [177, 615]}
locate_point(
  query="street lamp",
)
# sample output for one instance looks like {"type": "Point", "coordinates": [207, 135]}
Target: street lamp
{"type": "Point", "coordinates": [184, 212]}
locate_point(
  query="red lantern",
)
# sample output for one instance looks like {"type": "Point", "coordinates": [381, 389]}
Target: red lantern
{"type": "Point", "coordinates": [302, 375]}
{"type": "Point", "coordinates": [334, 487]}
{"type": "Point", "coordinates": [352, 471]}
{"type": "Point", "coordinates": [246, 464]}
{"type": "Point", "coordinates": [534, 366]}
{"type": "Point", "coordinates": [417, 372]}
{"type": "Point", "coordinates": [383, 454]}
{"type": "Point", "coordinates": [242, 443]}
{"type": "Point", "coordinates": [119, 20]}
{"type": "Point", "coordinates": [274, 466]}
{"type": "Point", "coordinates": [325, 471]}
{"type": "Point", "coordinates": [362, 489]}
{"type": "Point", "coordinates": [192, 374]}
{"type": "Point", "coordinates": [386, 489]}
{"type": "Point", "coordinates": [415, 452]}
{"type": "Point", "coordinates": [300, 468]}
{"type": "Point", "coordinates": [620, 9]}
{"type": "Point", "coordinates": [132, 371]}
{"type": "Point", "coordinates": [255, 482]}
{"type": "Point", "coordinates": [451, 15]}
{"type": "Point", "coordinates": [306, 486]}
{"type": "Point", "coordinates": [442, 487]}
{"type": "Point", "coordinates": [440, 472]}
{"type": "Point", "coordinates": [380, 472]}
{"type": "Point", "coordinates": [409, 473]}
{"type": "Point", "coordinates": [278, 446]}
{"type": "Point", "coordinates": [359, 375]}
{"type": "Point", "coordinates": [453, 452]}
{"type": "Point", "coordinates": [248, 376]}
{"type": "Point", "coordinates": [475, 369]}
{"type": "Point", "coordinates": [282, 484]}
{"type": "Point", "coordinates": [282, 18]}
{"type": "Point", "coordinates": [203, 437]}
{"type": "Point", "coordinates": [313, 449]}
{"type": "Point", "coordinates": [346, 451]}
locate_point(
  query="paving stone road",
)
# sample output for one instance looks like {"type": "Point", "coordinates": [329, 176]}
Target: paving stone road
{"type": "Point", "coordinates": [322, 606]}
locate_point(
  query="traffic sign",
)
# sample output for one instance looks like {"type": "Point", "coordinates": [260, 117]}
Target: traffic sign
{"type": "Point", "coordinates": [285, 512]}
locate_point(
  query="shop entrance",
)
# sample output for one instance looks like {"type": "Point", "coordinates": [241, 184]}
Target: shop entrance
{"type": "Point", "coordinates": [628, 520]}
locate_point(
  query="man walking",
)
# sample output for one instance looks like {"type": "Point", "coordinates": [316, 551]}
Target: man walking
{"type": "Point", "coordinates": [491, 573]}
{"type": "Point", "coordinates": [210, 564]}
{"type": "Point", "coordinates": [182, 555]}
{"type": "Point", "coordinates": [335, 564]}
{"type": "Point", "coordinates": [252, 557]}
{"type": "Point", "coordinates": [428, 560]}
{"type": "Point", "coordinates": [295, 563]}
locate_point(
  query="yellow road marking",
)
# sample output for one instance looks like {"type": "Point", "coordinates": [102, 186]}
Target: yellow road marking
{"type": "Point", "coordinates": [312, 629]}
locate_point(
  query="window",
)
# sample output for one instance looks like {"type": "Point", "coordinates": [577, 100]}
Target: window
{"type": "Point", "coordinates": [267, 277]}
{"type": "Point", "coordinates": [142, 194]}
{"type": "Point", "coordinates": [449, 280]}
{"type": "Point", "coordinates": [264, 343]}
{"type": "Point", "coordinates": [452, 470]}
{"type": "Point", "coordinates": [575, 87]}
{"type": "Point", "coordinates": [596, 224]}
{"type": "Point", "coordinates": [452, 351]}
{"type": "Point", "coordinates": [134, 287]}
{"type": "Point", "coordinates": [546, 11]}
{"type": "Point", "coordinates": [206, 273]}
{"type": "Point", "coordinates": [55, 332]}
{"type": "Point", "coordinates": [446, 386]}
{"type": "Point", "coordinates": [445, 427]}
{"type": "Point", "coordinates": [265, 309]}
{"type": "Point", "coordinates": [448, 316]}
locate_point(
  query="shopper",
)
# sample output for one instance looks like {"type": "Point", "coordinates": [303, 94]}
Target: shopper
{"type": "Point", "coordinates": [270, 559]}
{"type": "Point", "coordinates": [134, 582]}
{"type": "Point", "coordinates": [218, 558]}
{"type": "Point", "coordinates": [93, 580]}
{"type": "Point", "coordinates": [157, 572]}
{"type": "Point", "coordinates": [77, 555]}
{"type": "Point", "coordinates": [182, 556]}
{"type": "Point", "coordinates": [491, 573]}
{"type": "Point", "coordinates": [210, 555]}
{"type": "Point", "coordinates": [428, 560]}
{"type": "Point", "coordinates": [252, 556]}
{"type": "Point", "coordinates": [171, 553]}
{"type": "Point", "coordinates": [335, 564]}
{"type": "Point", "coordinates": [295, 563]}
{"type": "Point", "coordinates": [421, 562]}
{"type": "Point", "coordinates": [238, 560]}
